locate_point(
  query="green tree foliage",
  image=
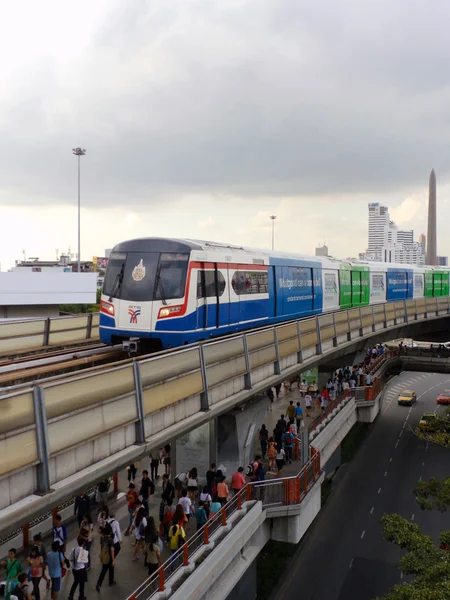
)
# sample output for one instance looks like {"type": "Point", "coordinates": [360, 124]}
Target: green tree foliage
{"type": "Point", "coordinates": [423, 558]}
{"type": "Point", "coordinates": [77, 309]}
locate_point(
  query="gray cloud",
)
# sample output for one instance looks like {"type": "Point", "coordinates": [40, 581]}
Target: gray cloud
{"type": "Point", "coordinates": [244, 97]}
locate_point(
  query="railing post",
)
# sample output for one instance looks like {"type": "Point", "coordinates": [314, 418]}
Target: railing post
{"type": "Point", "coordinates": [296, 449]}
{"type": "Point", "coordinates": [299, 335]}
{"type": "Point", "coordinates": [385, 316]}
{"type": "Point", "coordinates": [26, 535]}
{"type": "Point", "coordinates": [361, 328]}
{"type": "Point", "coordinates": [248, 373]}
{"type": "Point", "coordinates": [373, 318]}
{"type": "Point", "coordinates": [185, 555]}
{"type": "Point", "coordinates": [285, 492]}
{"type": "Point", "coordinates": [305, 478]}
{"type": "Point", "coordinates": [239, 500]}
{"type": "Point", "coordinates": [139, 425]}
{"type": "Point", "coordinates": [40, 417]}
{"type": "Point", "coordinates": [248, 492]}
{"type": "Point", "coordinates": [276, 366]}
{"type": "Point", "coordinates": [161, 579]}
{"type": "Point", "coordinates": [297, 490]}
{"type": "Point", "coordinates": [204, 396]}
{"type": "Point", "coordinates": [205, 534]}
{"type": "Point", "coordinates": [349, 333]}
{"type": "Point", "coordinates": [406, 312]}
{"type": "Point", "coordinates": [224, 516]}
{"type": "Point", "coordinates": [319, 338]}
{"type": "Point", "coordinates": [89, 326]}
{"type": "Point", "coordinates": [46, 332]}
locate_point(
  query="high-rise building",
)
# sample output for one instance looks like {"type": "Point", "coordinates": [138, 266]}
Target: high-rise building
{"type": "Point", "coordinates": [431, 233]}
{"type": "Point", "coordinates": [378, 226]}
{"type": "Point", "coordinates": [322, 250]}
{"type": "Point", "coordinates": [442, 261]}
{"type": "Point", "coordinates": [389, 244]}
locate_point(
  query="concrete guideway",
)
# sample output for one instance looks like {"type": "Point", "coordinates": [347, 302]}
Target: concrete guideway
{"type": "Point", "coordinates": [70, 433]}
{"type": "Point", "coordinates": [380, 479]}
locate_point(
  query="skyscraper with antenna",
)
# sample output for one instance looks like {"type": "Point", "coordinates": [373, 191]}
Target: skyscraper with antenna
{"type": "Point", "coordinates": [431, 233]}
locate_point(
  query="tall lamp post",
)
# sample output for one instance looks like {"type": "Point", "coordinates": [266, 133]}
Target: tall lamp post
{"type": "Point", "coordinates": [273, 217]}
{"type": "Point", "coordinates": [79, 152]}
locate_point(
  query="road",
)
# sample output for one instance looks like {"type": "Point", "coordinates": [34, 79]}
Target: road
{"type": "Point", "coordinates": [344, 556]}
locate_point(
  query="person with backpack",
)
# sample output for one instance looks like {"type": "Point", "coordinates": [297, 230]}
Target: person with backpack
{"type": "Point", "coordinates": [288, 439]}
{"type": "Point", "coordinates": [59, 532]}
{"type": "Point", "coordinates": [132, 498]}
{"type": "Point", "coordinates": [290, 412]}
{"type": "Point", "coordinates": [13, 568]}
{"type": "Point", "coordinates": [24, 588]}
{"type": "Point", "coordinates": [251, 469]}
{"type": "Point", "coordinates": [169, 511]}
{"type": "Point", "coordinates": [116, 531]}
{"type": "Point", "coordinates": [56, 564]}
{"type": "Point", "coordinates": [177, 536]}
{"type": "Point", "coordinates": [79, 558]}
{"type": "Point", "coordinates": [106, 556]}
{"type": "Point", "coordinates": [139, 525]}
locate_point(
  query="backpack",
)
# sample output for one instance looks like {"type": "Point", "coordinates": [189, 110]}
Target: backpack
{"type": "Point", "coordinates": [141, 529]}
{"type": "Point", "coordinates": [105, 554]}
{"type": "Point", "coordinates": [250, 470]}
{"type": "Point", "coordinates": [18, 592]}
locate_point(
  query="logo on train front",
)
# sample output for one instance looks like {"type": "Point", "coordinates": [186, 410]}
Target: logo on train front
{"type": "Point", "coordinates": [138, 273]}
{"type": "Point", "coordinates": [134, 313]}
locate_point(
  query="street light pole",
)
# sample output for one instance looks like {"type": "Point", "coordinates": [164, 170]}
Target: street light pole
{"type": "Point", "coordinates": [79, 152]}
{"type": "Point", "coordinates": [273, 217]}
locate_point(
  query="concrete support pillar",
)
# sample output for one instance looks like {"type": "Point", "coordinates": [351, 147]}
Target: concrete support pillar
{"type": "Point", "coordinates": [213, 441]}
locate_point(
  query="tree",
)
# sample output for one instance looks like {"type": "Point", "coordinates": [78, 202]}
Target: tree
{"type": "Point", "coordinates": [429, 562]}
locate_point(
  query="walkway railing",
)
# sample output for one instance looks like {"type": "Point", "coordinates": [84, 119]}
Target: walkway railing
{"type": "Point", "coordinates": [271, 493]}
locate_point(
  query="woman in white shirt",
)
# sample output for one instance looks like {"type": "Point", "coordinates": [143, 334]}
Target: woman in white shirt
{"type": "Point", "coordinates": [205, 497]}
{"type": "Point", "coordinates": [280, 459]}
{"type": "Point", "coordinates": [139, 525]}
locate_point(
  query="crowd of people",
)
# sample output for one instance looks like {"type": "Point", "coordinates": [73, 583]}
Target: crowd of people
{"type": "Point", "coordinates": [180, 501]}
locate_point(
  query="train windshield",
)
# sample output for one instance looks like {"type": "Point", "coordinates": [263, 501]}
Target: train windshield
{"type": "Point", "coordinates": [144, 276]}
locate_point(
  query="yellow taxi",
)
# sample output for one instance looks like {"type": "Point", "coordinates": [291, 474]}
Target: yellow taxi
{"type": "Point", "coordinates": [407, 397]}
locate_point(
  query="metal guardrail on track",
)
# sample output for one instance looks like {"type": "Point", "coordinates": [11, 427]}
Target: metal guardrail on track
{"type": "Point", "coordinates": [32, 334]}
{"type": "Point", "coordinates": [40, 423]}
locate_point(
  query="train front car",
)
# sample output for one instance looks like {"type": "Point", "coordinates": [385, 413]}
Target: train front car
{"type": "Point", "coordinates": [146, 281]}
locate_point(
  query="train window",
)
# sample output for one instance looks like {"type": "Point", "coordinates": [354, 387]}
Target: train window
{"type": "Point", "coordinates": [207, 288]}
{"type": "Point", "coordinates": [250, 282]}
{"type": "Point", "coordinates": [170, 279]}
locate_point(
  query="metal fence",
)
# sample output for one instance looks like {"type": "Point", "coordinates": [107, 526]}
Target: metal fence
{"type": "Point", "coordinates": [271, 493]}
{"type": "Point", "coordinates": [29, 335]}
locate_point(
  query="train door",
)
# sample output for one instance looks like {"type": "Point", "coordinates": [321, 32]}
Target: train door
{"type": "Point", "coordinates": [356, 287]}
{"type": "Point", "coordinates": [233, 296]}
{"type": "Point", "coordinates": [210, 288]}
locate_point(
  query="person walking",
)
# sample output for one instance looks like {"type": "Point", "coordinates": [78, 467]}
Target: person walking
{"type": "Point", "coordinates": [271, 397]}
{"type": "Point", "coordinates": [192, 483]}
{"type": "Point", "coordinates": [290, 412]}
{"type": "Point", "coordinates": [55, 563]}
{"type": "Point", "coordinates": [116, 531]}
{"type": "Point", "coordinates": [165, 454]}
{"type": "Point", "coordinates": [132, 470]}
{"type": "Point", "coordinates": [82, 507]}
{"type": "Point", "coordinates": [152, 557]}
{"type": "Point", "coordinates": [13, 568]}
{"type": "Point", "coordinates": [86, 532]}
{"type": "Point", "coordinates": [101, 496]}
{"type": "Point", "coordinates": [78, 559]}
{"type": "Point", "coordinates": [298, 416]}
{"type": "Point", "coordinates": [280, 459]}
{"type": "Point", "coordinates": [272, 454]}
{"type": "Point", "coordinates": [263, 437]}
{"type": "Point", "coordinates": [200, 515]}
{"type": "Point", "coordinates": [59, 532]}
{"type": "Point", "coordinates": [139, 525]}
{"type": "Point", "coordinates": [154, 465]}
{"type": "Point", "coordinates": [24, 588]}
{"type": "Point", "coordinates": [210, 475]}
{"type": "Point", "coordinates": [186, 503]}
{"type": "Point", "coordinates": [37, 542]}
{"type": "Point", "coordinates": [106, 556]}
{"type": "Point", "coordinates": [288, 439]}
{"type": "Point", "coordinates": [222, 492]}
{"type": "Point", "coordinates": [132, 498]}
{"type": "Point", "coordinates": [238, 480]}
{"type": "Point", "coordinates": [36, 563]}
{"type": "Point", "coordinates": [147, 489]}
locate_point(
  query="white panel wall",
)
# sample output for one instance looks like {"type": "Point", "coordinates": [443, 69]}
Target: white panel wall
{"type": "Point", "coordinates": [47, 288]}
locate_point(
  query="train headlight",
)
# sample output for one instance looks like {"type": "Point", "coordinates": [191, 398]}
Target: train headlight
{"type": "Point", "coordinates": [107, 308]}
{"type": "Point", "coordinates": [169, 311]}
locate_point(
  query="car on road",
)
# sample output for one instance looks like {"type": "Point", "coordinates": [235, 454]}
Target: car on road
{"type": "Point", "coordinates": [427, 421]}
{"type": "Point", "coordinates": [407, 397]}
{"type": "Point", "coordinates": [444, 397]}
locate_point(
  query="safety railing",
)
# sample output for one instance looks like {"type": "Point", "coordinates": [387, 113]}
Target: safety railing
{"type": "Point", "coordinates": [285, 491]}
{"type": "Point", "coordinates": [43, 421]}
{"type": "Point", "coordinates": [29, 335]}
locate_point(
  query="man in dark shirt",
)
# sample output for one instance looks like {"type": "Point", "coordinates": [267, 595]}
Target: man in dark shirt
{"type": "Point", "coordinates": [281, 424]}
{"type": "Point", "coordinates": [210, 475]}
{"type": "Point", "coordinates": [147, 489]}
{"type": "Point", "coordinates": [168, 490]}
{"type": "Point", "coordinates": [82, 507]}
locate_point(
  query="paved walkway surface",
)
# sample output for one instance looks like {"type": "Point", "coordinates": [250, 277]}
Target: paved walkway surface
{"type": "Point", "coordinates": [129, 575]}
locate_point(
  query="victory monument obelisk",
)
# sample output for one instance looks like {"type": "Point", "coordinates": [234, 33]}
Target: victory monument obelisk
{"type": "Point", "coordinates": [431, 233]}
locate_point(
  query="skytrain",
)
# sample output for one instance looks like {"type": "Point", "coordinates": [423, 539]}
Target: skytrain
{"type": "Point", "coordinates": [171, 292]}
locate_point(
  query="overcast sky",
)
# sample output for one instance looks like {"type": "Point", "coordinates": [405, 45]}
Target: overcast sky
{"type": "Point", "coordinates": [201, 118]}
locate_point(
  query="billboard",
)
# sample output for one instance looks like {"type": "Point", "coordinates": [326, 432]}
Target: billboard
{"type": "Point", "coordinates": [100, 262]}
